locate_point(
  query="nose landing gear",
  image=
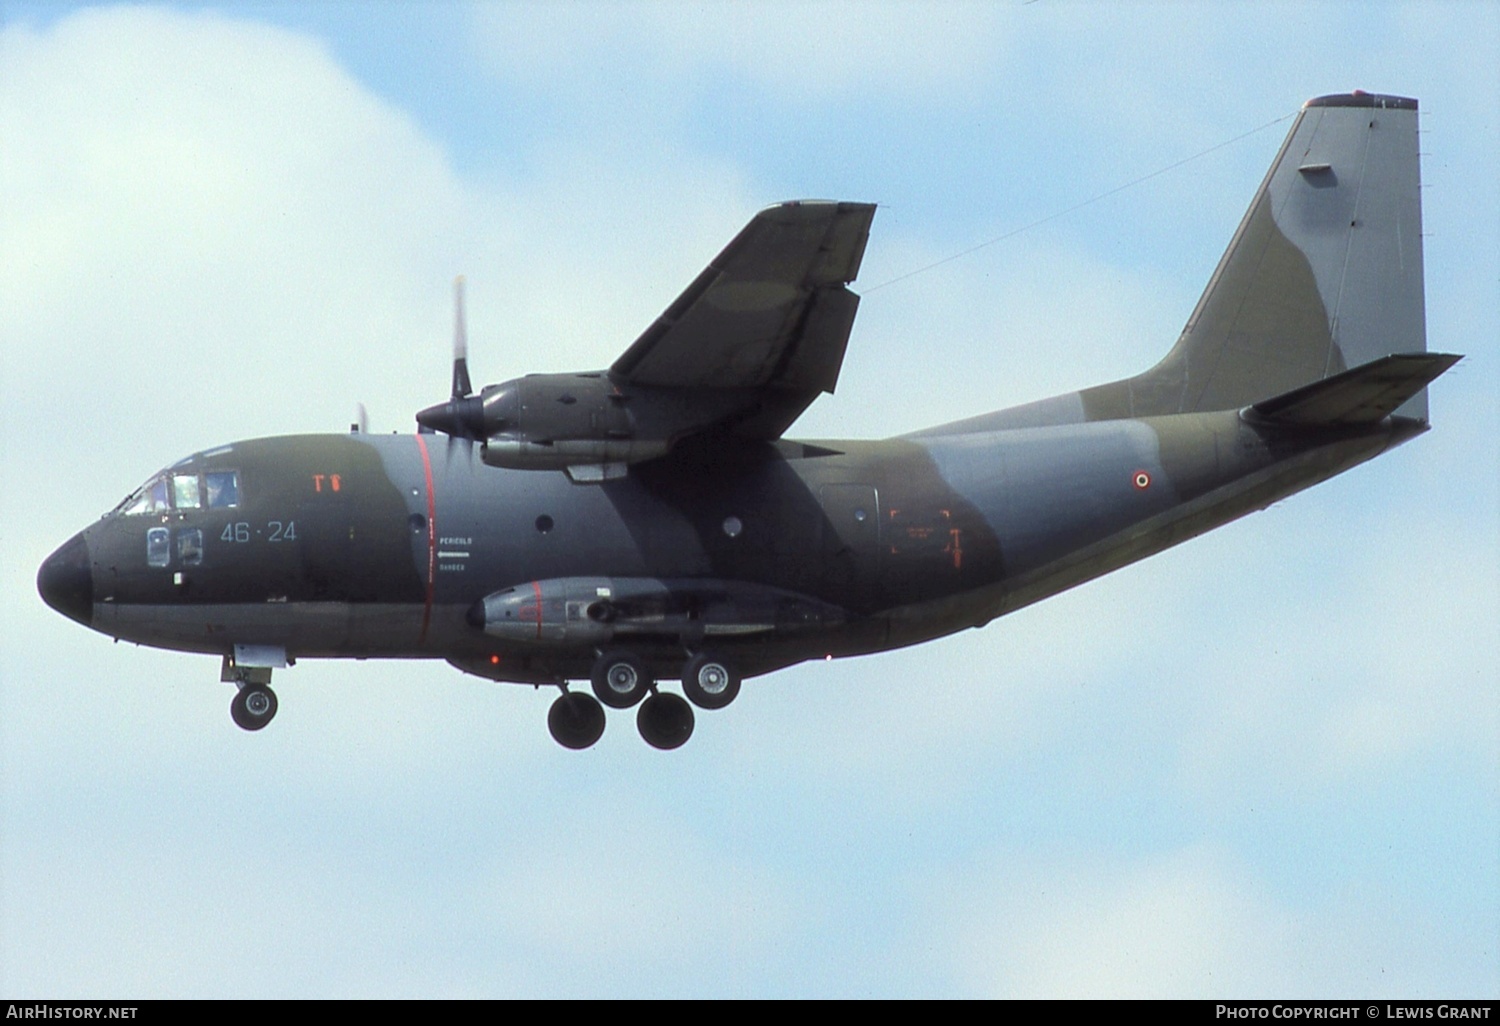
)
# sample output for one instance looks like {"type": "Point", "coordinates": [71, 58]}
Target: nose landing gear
{"type": "Point", "coordinates": [249, 670]}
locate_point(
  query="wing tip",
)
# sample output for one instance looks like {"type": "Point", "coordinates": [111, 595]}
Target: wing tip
{"type": "Point", "coordinates": [1360, 98]}
{"type": "Point", "coordinates": [815, 208]}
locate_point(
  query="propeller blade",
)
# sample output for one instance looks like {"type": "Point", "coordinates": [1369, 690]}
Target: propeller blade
{"type": "Point", "coordinates": [461, 386]}
{"type": "Point", "coordinates": [462, 416]}
{"type": "Point", "coordinates": [456, 440]}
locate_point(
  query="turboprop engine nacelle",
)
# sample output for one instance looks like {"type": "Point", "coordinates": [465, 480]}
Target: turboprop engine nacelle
{"type": "Point", "coordinates": [555, 421]}
{"type": "Point", "coordinates": [597, 610]}
{"type": "Point", "coordinates": [547, 422]}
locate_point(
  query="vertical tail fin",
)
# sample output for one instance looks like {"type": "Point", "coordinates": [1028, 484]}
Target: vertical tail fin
{"type": "Point", "coordinates": [1323, 275]}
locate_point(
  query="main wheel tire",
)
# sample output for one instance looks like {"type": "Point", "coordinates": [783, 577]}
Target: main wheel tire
{"type": "Point", "coordinates": [709, 682]}
{"type": "Point", "coordinates": [575, 720]}
{"type": "Point", "coordinates": [253, 707]}
{"type": "Point", "coordinates": [620, 679]}
{"type": "Point", "coordinates": [665, 721]}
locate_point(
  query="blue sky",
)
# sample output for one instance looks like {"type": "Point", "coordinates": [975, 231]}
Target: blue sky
{"type": "Point", "coordinates": [1263, 763]}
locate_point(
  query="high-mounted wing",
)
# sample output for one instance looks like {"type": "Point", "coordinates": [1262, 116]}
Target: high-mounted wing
{"type": "Point", "coordinates": [753, 341]}
{"type": "Point", "coordinates": [770, 312]}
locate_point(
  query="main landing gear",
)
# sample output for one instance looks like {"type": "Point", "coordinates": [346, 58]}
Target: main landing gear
{"type": "Point", "coordinates": [575, 720]}
{"type": "Point", "coordinates": [709, 682]}
{"type": "Point", "coordinates": [665, 721]}
{"type": "Point", "coordinates": [620, 680]}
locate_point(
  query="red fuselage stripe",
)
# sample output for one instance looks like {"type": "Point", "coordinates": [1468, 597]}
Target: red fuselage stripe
{"type": "Point", "coordinates": [536, 588]}
{"type": "Point", "coordinates": [431, 538]}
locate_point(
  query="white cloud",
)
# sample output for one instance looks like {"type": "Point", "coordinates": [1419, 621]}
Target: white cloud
{"type": "Point", "coordinates": [1181, 925]}
{"type": "Point", "coordinates": [255, 241]}
{"type": "Point", "coordinates": [1193, 921]}
{"type": "Point", "coordinates": [177, 240]}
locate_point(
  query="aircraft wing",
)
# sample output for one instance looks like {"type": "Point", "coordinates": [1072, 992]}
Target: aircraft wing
{"type": "Point", "coordinates": [770, 313]}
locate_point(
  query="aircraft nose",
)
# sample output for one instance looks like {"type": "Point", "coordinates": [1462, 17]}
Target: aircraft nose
{"type": "Point", "coordinates": [66, 580]}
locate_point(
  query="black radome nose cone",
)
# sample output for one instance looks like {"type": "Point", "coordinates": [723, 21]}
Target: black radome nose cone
{"type": "Point", "coordinates": [66, 581]}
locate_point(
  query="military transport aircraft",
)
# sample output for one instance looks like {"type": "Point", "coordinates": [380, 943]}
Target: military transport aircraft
{"type": "Point", "coordinates": [649, 522]}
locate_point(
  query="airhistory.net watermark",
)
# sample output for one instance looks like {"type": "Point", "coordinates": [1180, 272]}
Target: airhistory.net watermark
{"type": "Point", "coordinates": [46, 1010]}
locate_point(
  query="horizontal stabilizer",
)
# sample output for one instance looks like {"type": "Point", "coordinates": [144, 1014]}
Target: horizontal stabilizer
{"type": "Point", "coordinates": [1365, 395]}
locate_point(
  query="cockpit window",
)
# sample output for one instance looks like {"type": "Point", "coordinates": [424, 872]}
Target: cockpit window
{"type": "Point", "coordinates": [169, 491]}
{"type": "Point", "coordinates": [185, 491]}
{"type": "Point", "coordinates": [223, 489]}
{"type": "Point", "coordinates": [152, 497]}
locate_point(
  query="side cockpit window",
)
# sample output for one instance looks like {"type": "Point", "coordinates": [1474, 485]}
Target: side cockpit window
{"type": "Point", "coordinates": [218, 489]}
{"type": "Point", "coordinates": [223, 489]}
{"type": "Point", "coordinates": [185, 491]}
{"type": "Point", "coordinates": [152, 497]}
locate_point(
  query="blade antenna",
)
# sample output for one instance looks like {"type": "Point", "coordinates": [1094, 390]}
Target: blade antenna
{"type": "Point", "coordinates": [461, 384]}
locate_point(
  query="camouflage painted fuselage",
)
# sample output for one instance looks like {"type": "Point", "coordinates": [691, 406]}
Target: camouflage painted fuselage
{"type": "Point", "coordinates": [381, 546]}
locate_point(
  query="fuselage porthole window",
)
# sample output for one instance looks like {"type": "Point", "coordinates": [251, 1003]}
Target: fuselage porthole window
{"type": "Point", "coordinates": [158, 546]}
{"type": "Point", "coordinates": [190, 547]}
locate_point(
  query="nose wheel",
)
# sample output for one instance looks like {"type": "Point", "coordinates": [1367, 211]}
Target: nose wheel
{"type": "Point", "coordinates": [254, 706]}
